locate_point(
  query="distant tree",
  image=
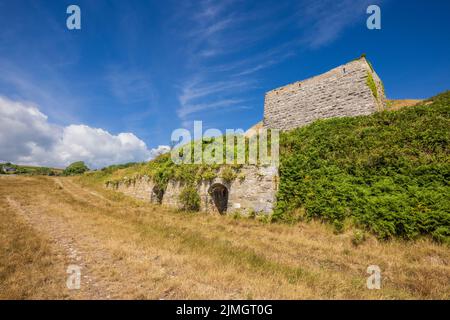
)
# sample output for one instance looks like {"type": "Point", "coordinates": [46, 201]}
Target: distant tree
{"type": "Point", "coordinates": [43, 171]}
{"type": "Point", "coordinates": [75, 168]}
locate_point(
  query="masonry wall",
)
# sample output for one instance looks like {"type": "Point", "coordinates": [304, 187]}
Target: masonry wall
{"type": "Point", "coordinates": [140, 189]}
{"type": "Point", "coordinates": [342, 91]}
{"type": "Point", "coordinates": [254, 190]}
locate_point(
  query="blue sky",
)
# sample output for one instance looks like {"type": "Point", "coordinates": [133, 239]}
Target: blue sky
{"type": "Point", "coordinates": [149, 67]}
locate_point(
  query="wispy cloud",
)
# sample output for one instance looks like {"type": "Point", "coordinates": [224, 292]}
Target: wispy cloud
{"type": "Point", "coordinates": [324, 21]}
{"type": "Point", "coordinates": [130, 86]}
{"type": "Point", "coordinates": [229, 27]}
{"type": "Point", "coordinates": [211, 57]}
{"type": "Point", "coordinates": [53, 92]}
{"type": "Point", "coordinates": [265, 63]}
{"type": "Point", "coordinates": [210, 9]}
{"type": "Point", "coordinates": [39, 75]}
{"type": "Point", "coordinates": [189, 109]}
{"type": "Point", "coordinates": [216, 30]}
{"type": "Point", "coordinates": [196, 90]}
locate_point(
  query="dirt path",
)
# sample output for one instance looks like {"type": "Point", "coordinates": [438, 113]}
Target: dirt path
{"type": "Point", "coordinates": [105, 266]}
{"type": "Point", "coordinates": [134, 250]}
{"type": "Point", "coordinates": [66, 244]}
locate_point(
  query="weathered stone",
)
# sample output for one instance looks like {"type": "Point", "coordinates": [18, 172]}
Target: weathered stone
{"type": "Point", "coordinates": [254, 192]}
{"type": "Point", "coordinates": [342, 91]}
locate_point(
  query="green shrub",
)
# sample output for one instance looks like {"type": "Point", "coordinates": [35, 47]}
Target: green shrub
{"type": "Point", "coordinates": [43, 171]}
{"type": "Point", "coordinates": [189, 198]}
{"type": "Point", "coordinates": [442, 235]}
{"type": "Point", "coordinates": [228, 174]}
{"type": "Point", "coordinates": [264, 218]}
{"type": "Point", "coordinates": [388, 172]}
{"type": "Point", "coordinates": [75, 168]}
{"type": "Point", "coordinates": [209, 174]}
{"type": "Point", "coordinates": [237, 215]}
{"type": "Point", "coordinates": [359, 237]}
{"type": "Point", "coordinates": [338, 226]}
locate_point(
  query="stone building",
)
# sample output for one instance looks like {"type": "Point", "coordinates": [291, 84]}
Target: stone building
{"type": "Point", "coordinates": [253, 191]}
{"type": "Point", "coordinates": [352, 89]}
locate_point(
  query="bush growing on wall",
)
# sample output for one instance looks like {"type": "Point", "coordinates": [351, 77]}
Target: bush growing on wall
{"type": "Point", "coordinates": [228, 174]}
{"type": "Point", "coordinates": [189, 198]}
{"type": "Point", "coordinates": [371, 84]}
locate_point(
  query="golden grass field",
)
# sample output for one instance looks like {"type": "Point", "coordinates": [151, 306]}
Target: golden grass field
{"type": "Point", "coordinates": [397, 104]}
{"type": "Point", "coordinates": [134, 250]}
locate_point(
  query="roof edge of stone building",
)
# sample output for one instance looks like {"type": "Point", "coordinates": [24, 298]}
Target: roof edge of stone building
{"type": "Point", "coordinates": [322, 75]}
{"type": "Point", "coordinates": [348, 90]}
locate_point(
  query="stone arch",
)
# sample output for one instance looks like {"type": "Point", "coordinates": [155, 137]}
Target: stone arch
{"type": "Point", "coordinates": [219, 195]}
{"type": "Point", "coordinates": [157, 194]}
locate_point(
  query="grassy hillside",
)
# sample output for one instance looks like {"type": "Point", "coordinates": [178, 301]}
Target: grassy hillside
{"type": "Point", "coordinates": [396, 104]}
{"type": "Point", "coordinates": [388, 172]}
{"type": "Point", "coordinates": [30, 170]}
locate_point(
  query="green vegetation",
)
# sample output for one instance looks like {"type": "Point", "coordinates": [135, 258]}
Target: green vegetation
{"type": "Point", "coordinates": [368, 61]}
{"type": "Point", "coordinates": [189, 198]}
{"type": "Point", "coordinates": [228, 174]}
{"type": "Point", "coordinates": [75, 168]}
{"type": "Point", "coordinates": [371, 84]}
{"type": "Point", "coordinates": [9, 168]}
{"type": "Point", "coordinates": [358, 238]}
{"type": "Point", "coordinates": [387, 173]}
{"type": "Point", "coordinates": [114, 167]}
{"type": "Point", "coordinates": [162, 169]}
{"type": "Point", "coordinates": [370, 81]}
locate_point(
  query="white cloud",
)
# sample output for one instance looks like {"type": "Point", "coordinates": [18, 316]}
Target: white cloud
{"type": "Point", "coordinates": [26, 137]}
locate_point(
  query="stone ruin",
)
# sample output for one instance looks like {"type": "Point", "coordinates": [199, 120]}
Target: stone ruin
{"type": "Point", "coordinates": [253, 191]}
{"type": "Point", "coordinates": [352, 89]}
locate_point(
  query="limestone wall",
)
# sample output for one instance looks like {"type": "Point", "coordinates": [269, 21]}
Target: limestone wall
{"type": "Point", "coordinates": [342, 91]}
{"type": "Point", "coordinates": [253, 190]}
{"type": "Point", "coordinates": [140, 188]}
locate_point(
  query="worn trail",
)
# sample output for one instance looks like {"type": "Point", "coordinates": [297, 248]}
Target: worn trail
{"type": "Point", "coordinates": [135, 250]}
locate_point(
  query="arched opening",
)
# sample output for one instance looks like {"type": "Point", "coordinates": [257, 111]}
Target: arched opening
{"type": "Point", "coordinates": [219, 195]}
{"type": "Point", "coordinates": [157, 194]}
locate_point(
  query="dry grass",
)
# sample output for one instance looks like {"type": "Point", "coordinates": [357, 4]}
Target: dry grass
{"type": "Point", "coordinates": [397, 104]}
{"type": "Point", "coordinates": [27, 264]}
{"type": "Point", "coordinates": [134, 250]}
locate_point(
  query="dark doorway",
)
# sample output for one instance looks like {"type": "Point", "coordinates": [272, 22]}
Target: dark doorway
{"type": "Point", "coordinates": [219, 195]}
{"type": "Point", "coordinates": [157, 194]}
